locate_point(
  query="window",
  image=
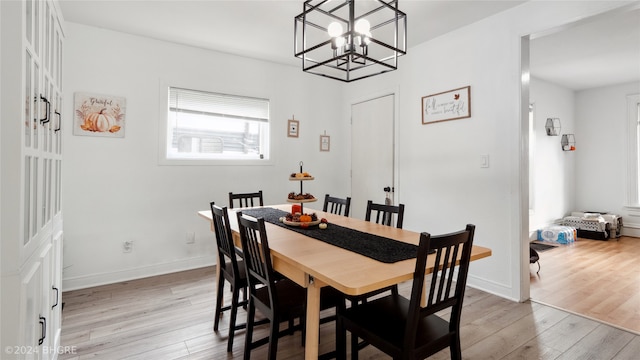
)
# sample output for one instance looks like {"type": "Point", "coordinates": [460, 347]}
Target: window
{"type": "Point", "coordinates": [633, 165]}
{"type": "Point", "coordinates": [212, 126]}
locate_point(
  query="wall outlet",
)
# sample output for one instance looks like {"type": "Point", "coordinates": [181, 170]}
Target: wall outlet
{"type": "Point", "coordinates": [484, 160]}
{"type": "Point", "coordinates": [191, 237]}
{"type": "Point", "coordinates": [127, 246]}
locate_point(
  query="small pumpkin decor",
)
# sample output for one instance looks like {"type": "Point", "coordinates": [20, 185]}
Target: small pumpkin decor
{"type": "Point", "coordinates": [100, 121]}
{"type": "Point", "coordinates": [305, 218]}
{"type": "Point", "coordinates": [99, 115]}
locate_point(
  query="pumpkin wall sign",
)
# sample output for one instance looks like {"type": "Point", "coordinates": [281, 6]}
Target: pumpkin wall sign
{"type": "Point", "coordinates": [99, 115]}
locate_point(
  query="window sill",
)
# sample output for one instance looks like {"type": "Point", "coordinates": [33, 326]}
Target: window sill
{"type": "Point", "coordinates": [211, 162]}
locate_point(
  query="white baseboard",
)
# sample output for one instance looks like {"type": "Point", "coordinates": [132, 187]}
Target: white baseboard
{"type": "Point", "coordinates": [630, 231]}
{"type": "Point", "coordinates": [491, 287]}
{"type": "Point", "coordinates": [87, 281]}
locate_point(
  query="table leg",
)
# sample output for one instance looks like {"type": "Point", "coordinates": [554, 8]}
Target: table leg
{"type": "Point", "coordinates": [313, 321]}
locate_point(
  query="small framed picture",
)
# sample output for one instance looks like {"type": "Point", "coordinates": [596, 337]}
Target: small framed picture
{"type": "Point", "coordinates": [325, 143]}
{"type": "Point", "coordinates": [293, 128]}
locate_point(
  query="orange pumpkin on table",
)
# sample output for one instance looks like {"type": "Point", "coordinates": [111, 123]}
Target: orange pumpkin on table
{"type": "Point", "coordinates": [305, 218]}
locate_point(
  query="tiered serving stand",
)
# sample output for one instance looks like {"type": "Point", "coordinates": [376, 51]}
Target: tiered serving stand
{"type": "Point", "coordinates": [301, 201]}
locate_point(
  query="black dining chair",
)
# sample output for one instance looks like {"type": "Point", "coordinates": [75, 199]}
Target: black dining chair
{"type": "Point", "coordinates": [277, 299]}
{"type": "Point", "coordinates": [336, 205]}
{"type": "Point", "coordinates": [231, 269]}
{"type": "Point", "coordinates": [400, 327]}
{"type": "Point", "coordinates": [246, 199]}
{"type": "Point", "coordinates": [384, 213]}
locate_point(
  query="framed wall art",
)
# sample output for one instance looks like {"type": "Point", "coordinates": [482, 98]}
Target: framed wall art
{"type": "Point", "coordinates": [293, 128]}
{"type": "Point", "coordinates": [99, 115]}
{"type": "Point", "coordinates": [449, 105]}
{"type": "Point", "coordinates": [325, 142]}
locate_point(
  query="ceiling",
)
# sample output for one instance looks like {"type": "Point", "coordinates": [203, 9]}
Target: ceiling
{"type": "Point", "coordinates": [600, 51]}
{"type": "Point", "coordinates": [579, 57]}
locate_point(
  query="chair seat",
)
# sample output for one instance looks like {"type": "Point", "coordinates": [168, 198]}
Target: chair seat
{"type": "Point", "coordinates": [242, 272]}
{"type": "Point", "coordinates": [390, 322]}
{"type": "Point", "coordinates": [291, 296]}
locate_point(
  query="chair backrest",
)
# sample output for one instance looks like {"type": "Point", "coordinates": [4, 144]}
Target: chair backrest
{"type": "Point", "coordinates": [224, 241]}
{"type": "Point", "coordinates": [384, 213]}
{"type": "Point", "coordinates": [336, 205]}
{"type": "Point", "coordinates": [442, 293]}
{"type": "Point", "coordinates": [246, 199]}
{"type": "Point", "coordinates": [257, 254]}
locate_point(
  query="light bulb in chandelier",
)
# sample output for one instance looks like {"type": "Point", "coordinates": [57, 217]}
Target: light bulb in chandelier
{"type": "Point", "coordinates": [363, 27]}
{"type": "Point", "coordinates": [334, 29]}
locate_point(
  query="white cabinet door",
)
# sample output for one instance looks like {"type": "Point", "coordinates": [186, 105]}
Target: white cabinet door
{"type": "Point", "coordinates": [55, 287]}
{"type": "Point", "coordinates": [32, 325]}
{"type": "Point", "coordinates": [44, 341]}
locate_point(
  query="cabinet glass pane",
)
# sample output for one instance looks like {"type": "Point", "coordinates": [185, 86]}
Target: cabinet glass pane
{"type": "Point", "coordinates": [47, 35]}
{"type": "Point", "coordinates": [27, 199]}
{"type": "Point", "coordinates": [29, 23]}
{"type": "Point", "coordinates": [46, 115]}
{"type": "Point", "coordinates": [48, 185]}
{"type": "Point", "coordinates": [60, 64]}
{"type": "Point", "coordinates": [45, 194]}
{"type": "Point", "coordinates": [51, 39]}
{"type": "Point", "coordinates": [36, 27]}
{"type": "Point", "coordinates": [37, 104]}
{"type": "Point", "coordinates": [58, 184]}
{"type": "Point", "coordinates": [56, 58]}
{"type": "Point", "coordinates": [34, 196]}
{"type": "Point", "coordinates": [49, 133]}
{"type": "Point", "coordinates": [27, 101]}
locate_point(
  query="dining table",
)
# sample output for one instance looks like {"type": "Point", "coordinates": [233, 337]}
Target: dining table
{"type": "Point", "coordinates": [351, 255]}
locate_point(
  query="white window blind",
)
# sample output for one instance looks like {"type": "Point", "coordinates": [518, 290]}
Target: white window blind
{"type": "Point", "coordinates": [218, 105]}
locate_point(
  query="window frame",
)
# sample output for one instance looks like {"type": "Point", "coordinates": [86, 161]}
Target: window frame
{"type": "Point", "coordinates": [163, 130]}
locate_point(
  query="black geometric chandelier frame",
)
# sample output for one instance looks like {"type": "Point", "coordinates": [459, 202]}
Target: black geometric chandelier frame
{"type": "Point", "coordinates": [349, 40]}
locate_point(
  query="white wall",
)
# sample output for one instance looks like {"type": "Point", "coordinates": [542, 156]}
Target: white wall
{"type": "Point", "coordinates": [601, 143]}
{"type": "Point", "coordinates": [114, 189]}
{"type": "Point", "coordinates": [440, 178]}
{"type": "Point", "coordinates": [554, 169]}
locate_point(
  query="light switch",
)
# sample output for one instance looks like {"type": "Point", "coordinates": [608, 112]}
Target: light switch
{"type": "Point", "coordinates": [484, 161]}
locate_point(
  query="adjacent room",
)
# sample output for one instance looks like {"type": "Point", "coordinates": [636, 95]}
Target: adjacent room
{"type": "Point", "coordinates": [583, 94]}
{"type": "Point", "coordinates": [111, 178]}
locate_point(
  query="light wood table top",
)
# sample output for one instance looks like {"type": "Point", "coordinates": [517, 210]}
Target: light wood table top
{"type": "Point", "coordinates": [313, 264]}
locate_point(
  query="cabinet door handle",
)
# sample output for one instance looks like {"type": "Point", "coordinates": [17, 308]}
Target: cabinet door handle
{"type": "Point", "coordinates": [47, 110]}
{"type": "Point", "coordinates": [43, 327]}
{"type": "Point", "coordinates": [57, 296]}
{"type": "Point", "coordinates": [59, 121]}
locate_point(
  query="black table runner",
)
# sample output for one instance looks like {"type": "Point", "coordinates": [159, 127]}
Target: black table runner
{"type": "Point", "coordinates": [373, 246]}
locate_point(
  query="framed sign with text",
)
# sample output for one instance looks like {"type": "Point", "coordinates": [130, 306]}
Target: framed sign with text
{"type": "Point", "coordinates": [449, 105]}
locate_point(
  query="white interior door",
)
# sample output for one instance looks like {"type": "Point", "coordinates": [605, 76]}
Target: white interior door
{"type": "Point", "coordinates": [372, 152]}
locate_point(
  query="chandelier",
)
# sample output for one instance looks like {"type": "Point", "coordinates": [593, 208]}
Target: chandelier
{"type": "Point", "coordinates": [349, 40]}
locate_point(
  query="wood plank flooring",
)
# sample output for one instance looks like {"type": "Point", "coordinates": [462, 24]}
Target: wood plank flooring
{"type": "Point", "coordinates": [171, 317]}
{"type": "Point", "coordinates": [597, 279]}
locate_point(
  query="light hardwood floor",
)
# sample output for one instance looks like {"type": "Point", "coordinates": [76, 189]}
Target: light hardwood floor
{"type": "Point", "coordinates": [171, 317]}
{"type": "Point", "coordinates": [597, 279]}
